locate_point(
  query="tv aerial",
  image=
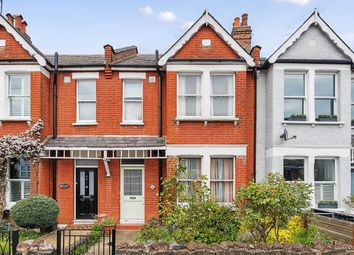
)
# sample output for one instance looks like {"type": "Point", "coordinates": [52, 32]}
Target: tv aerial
{"type": "Point", "coordinates": [285, 135]}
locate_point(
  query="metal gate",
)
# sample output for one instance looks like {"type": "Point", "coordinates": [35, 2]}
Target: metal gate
{"type": "Point", "coordinates": [9, 238]}
{"type": "Point", "coordinates": [83, 242]}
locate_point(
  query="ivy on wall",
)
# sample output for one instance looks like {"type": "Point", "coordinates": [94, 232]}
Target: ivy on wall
{"type": "Point", "coordinates": [25, 145]}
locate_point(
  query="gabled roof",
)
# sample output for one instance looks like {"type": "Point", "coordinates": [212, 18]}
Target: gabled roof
{"type": "Point", "coordinates": [24, 41]}
{"type": "Point", "coordinates": [209, 20]}
{"type": "Point", "coordinates": [314, 19]}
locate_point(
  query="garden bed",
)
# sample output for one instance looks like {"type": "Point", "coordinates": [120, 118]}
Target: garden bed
{"type": "Point", "coordinates": [235, 248]}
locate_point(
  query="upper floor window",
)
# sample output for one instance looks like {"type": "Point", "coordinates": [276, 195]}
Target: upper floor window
{"type": "Point", "coordinates": [294, 95]}
{"type": "Point", "coordinates": [19, 179]}
{"type": "Point", "coordinates": [222, 95]}
{"type": "Point", "coordinates": [222, 179]}
{"type": "Point", "coordinates": [19, 95]}
{"type": "Point", "coordinates": [325, 95]}
{"type": "Point", "coordinates": [352, 101]}
{"type": "Point", "coordinates": [133, 101]}
{"type": "Point", "coordinates": [86, 101]}
{"type": "Point", "coordinates": [294, 169]}
{"type": "Point", "coordinates": [189, 95]}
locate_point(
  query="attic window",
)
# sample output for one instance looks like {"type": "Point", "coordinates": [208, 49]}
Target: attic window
{"type": "Point", "coordinates": [2, 43]}
{"type": "Point", "coordinates": [206, 42]}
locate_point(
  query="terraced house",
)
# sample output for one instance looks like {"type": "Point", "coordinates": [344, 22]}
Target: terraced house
{"type": "Point", "coordinates": [116, 124]}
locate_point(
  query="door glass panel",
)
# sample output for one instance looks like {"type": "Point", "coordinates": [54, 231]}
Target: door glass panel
{"type": "Point", "coordinates": [133, 180]}
{"type": "Point", "coordinates": [91, 184]}
{"type": "Point", "coordinates": [82, 183]}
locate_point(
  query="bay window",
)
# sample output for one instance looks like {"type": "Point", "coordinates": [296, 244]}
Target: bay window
{"type": "Point", "coordinates": [222, 179]}
{"type": "Point", "coordinates": [132, 101]}
{"type": "Point", "coordinates": [19, 179]}
{"type": "Point", "coordinates": [222, 95]}
{"type": "Point", "coordinates": [325, 94]}
{"type": "Point", "coordinates": [325, 179]}
{"type": "Point", "coordinates": [189, 95]}
{"type": "Point", "coordinates": [192, 173]}
{"type": "Point", "coordinates": [86, 101]}
{"type": "Point", "coordinates": [294, 95]}
{"type": "Point", "coordinates": [19, 95]}
{"type": "Point", "coordinates": [294, 169]}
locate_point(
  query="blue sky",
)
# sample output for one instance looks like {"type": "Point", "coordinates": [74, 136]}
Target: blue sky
{"type": "Point", "coordinates": [84, 26]}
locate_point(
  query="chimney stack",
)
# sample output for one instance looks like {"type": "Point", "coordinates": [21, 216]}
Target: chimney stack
{"type": "Point", "coordinates": [10, 18]}
{"type": "Point", "coordinates": [24, 26]}
{"type": "Point", "coordinates": [18, 21]}
{"type": "Point", "coordinates": [242, 33]}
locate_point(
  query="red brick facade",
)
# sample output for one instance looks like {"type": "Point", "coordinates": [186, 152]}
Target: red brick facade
{"type": "Point", "coordinates": [109, 98]}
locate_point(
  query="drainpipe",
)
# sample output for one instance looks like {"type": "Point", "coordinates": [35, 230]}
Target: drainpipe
{"type": "Point", "coordinates": [55, 83]}
{"type": "Point", "coordinates": [255, 123]}
{"type": "Point", "coordinates": [159, 113]}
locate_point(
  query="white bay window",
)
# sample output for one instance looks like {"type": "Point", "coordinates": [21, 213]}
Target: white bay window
{"type": "Point", "coordinates": [86, 101]}
{"type": "Point", "coordinates": [325, 179]}
{"type": "Point", "coordinates": [222, 179]}
{"type": "Point", "coordinates": [19, 179]}
{"type": "Point", "coordinates": [132, 101]}
{"type": "Point", "coordinates": [19, 95]}
{"type": "Point", "coordinates": [192, 172]}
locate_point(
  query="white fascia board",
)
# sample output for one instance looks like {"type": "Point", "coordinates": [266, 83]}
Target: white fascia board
{"type": "Point", "coordinates": [318, 21]}
{"type": "Point", "coordinates": [210, 68]}
{"type": "Point", "coordinates": [208, 20]}
{"type": "Point", "coordinates": [41, 60]}
{"type": "Point", "coordinates": [206, 150]}
{"type": "Point", "coordinates": [305, 67]}
{"type": "Point", "coordinates": [81, 68]}
{"type": "Point", "coordinates": [24, 69]}
{"type": "Point", "coordinates": [308, 152]}
{"type": "Point", "coordinates": [132, 75]}
{"type": "Point", "coordinates": [85, 75]}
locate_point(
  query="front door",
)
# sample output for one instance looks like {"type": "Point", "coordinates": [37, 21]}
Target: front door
{"type": "Point", "coordinates": [132, 199]}
{"type": "Point", "coordinates": [86, 193]}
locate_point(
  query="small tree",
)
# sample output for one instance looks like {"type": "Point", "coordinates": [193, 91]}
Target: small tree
{"type": "Point", "coordinates": [269, 205]}
{"type": "Point", "coordinates": [25, 145]}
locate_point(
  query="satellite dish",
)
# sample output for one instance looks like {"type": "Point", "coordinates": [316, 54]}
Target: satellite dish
{"type": "Point", "coordinates": [285, 135]}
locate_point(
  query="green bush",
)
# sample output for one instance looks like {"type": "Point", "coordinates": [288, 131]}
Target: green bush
{"type": "Point", "coordinates": [199, 219]}
{"type": "Point", "coordinates": [35, 212]}
{"type": "Point", "coordinates": [310, 235]}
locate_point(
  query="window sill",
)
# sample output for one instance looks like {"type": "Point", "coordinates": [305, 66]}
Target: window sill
{"type": "Point", "coordinates": [313, 123]}
{"type": "Point", "coordinates": [16, 119]}
{"type": "Point", "coordinates": [85, 124]}
{"type": "Point", "coordinates": [140, 123]}
{"type": "Point", "coordinates": [207, 119]}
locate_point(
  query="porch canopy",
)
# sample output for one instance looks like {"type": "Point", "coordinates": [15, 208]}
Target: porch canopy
{"type": "Point", "coordinates": [105, 147]}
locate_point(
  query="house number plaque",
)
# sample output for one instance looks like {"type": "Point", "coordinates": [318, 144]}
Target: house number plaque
{"type": "Point", "coordinates": [63, 186]}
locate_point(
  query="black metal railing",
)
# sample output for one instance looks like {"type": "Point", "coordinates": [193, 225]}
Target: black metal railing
{"type": "Point", "coordinates": [9, 239]}
{"type": "Point", "coordinates": [81, 241]}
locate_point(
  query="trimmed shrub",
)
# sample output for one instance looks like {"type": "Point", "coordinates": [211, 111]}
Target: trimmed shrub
{"type": "Point", "coordinates": [35, 212]}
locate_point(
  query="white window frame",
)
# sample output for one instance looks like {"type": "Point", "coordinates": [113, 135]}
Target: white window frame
{"type": "Point", "coordinates": [179, 95]}
{"type": "Point", "coordinates": [133, 122]}
{"type": "Point", "coordinates": [8, 107]}
{"type": "Point", "coordinates": [233, 174]}
{"type": "Point", "coordinates": [297, 158]}
{"type": "Point", "coordinates": [205, 114]}
{"type": "Point", "coordinates": [22, 181]}
{"type": "Point", "coordinates": [335, 103]}
{"type": "Point", "coordinates": [335, 182]}
{"type": "Point", "coordinates": [304, 98]}
{"type": "Point", "coordinates": [233, 95]}
{"type": "Point", "coordinates": [78, 121]}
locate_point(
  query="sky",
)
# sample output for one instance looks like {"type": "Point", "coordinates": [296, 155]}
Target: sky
{"type": "Point", "coordinates": [85, 26]}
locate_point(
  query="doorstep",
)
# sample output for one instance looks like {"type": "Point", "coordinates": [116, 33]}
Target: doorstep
{"type": "Point", "coordinates": [84, 222]}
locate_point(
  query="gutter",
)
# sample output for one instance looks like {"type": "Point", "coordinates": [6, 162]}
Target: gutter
{"type": "Point", "coordinates": [159, 114]}
{"type": "Point", "coordinates": [55, 84]}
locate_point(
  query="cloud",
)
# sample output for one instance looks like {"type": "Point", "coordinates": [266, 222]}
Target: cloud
{"type": "Point", "coordinates": [167, 16]}
{"type": "Point", "coordinates": [147, 11]}
{"type": "Point", "coordinates": [186, 25]}
{"type": "Point", "coordinates": [299, 2]}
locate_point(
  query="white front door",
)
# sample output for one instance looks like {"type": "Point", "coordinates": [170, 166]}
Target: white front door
{"type": "Point", "coordinates": [132, 195]}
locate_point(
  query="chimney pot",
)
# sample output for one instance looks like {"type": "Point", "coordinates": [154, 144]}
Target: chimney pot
{"type": "Point", "coordinates": [18, 21]}
{"type": "Point", "coordinates": [24, 26]}
{"type": "Point", "coordinates": [10, 18]}
{"type": "Point", "coordinates": [237, 22]}
{"type": "Point", "coordinates": [244, 20]}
